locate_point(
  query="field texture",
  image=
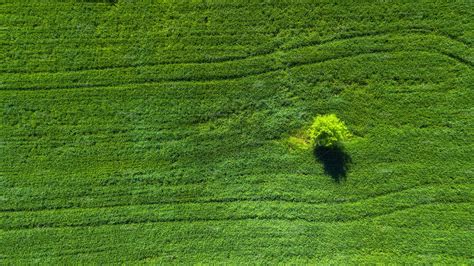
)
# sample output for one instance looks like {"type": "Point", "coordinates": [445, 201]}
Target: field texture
{"type": "Point", "coordinates": [173, 132]}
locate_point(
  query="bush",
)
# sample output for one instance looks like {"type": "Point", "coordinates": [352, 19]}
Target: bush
{"type": "Point", "coordinates": [328, 131]}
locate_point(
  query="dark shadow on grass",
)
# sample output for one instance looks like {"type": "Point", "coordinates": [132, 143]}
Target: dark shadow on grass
{"type": "Point", "coordinates": [335, 161]}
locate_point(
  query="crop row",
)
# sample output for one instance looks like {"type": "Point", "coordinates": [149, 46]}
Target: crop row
{"type": "Point", "coordinates": [184, 34]}
{"type": "Point", "coordinates": [241, 209]}
{"type": "Point", "coordinates": [90, 56]}
{"type": "Point", "coordinates": [276, 240]}
{"type": "Point", "coordinates": [229, 70]}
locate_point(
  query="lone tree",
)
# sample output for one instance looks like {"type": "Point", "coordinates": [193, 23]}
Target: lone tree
{"type": "Point", "coordinates": [328, 131]}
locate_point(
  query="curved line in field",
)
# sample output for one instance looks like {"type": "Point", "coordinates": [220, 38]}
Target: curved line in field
{"type": "Point", "coordinates": [371, 217]}
{"type": "Point", "coordinates": [269, 198]}
{"type": "Point", "coordinates": [222, 200]}
{"type": "Point", "coordinates": [354, 36]}
{"type": "Point", "coordinates": [255, 217]}
{"type": "Point", "coordinates": [235, 76]}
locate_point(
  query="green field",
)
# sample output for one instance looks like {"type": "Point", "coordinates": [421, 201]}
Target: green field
{"type": "Point", "coordinates": [173, 132]}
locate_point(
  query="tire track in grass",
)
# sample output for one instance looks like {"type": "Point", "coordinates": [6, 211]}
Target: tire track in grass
{"type": "Point", "coordinates": [362, 36]}
{"type": "Point", "coordinates": [342, 212]}
{"type": "Point", "coordinates": [380, 218]}
{"type": "Point", "coordinates": [458, 58]}
{"type": "Point", "coordinates": [230, 77]}
{"type": "Point", "coordinates": [63, 253]}
{"type": "Point", "coordinates": [269, 198]}
{"type": "Point", "coordinates": [365, 217]}
{"type": "Point", "coordinates": [352, 36]}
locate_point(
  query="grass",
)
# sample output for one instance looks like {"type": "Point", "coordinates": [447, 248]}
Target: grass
{"type": "Point", "coordinates": [172, 132]}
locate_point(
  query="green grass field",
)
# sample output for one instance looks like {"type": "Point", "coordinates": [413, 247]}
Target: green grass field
{"type": "Point", "coordinates": [171, 132]}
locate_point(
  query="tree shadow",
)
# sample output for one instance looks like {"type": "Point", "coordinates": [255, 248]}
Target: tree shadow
{"type": "Point", "coordinates": [335, 161]}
